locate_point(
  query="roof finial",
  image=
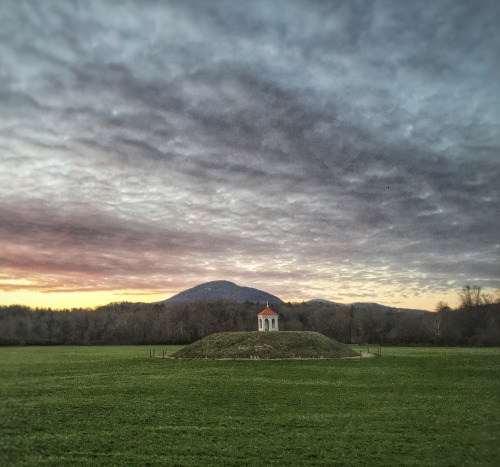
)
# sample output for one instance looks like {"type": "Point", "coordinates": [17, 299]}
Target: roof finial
{"type": "Point", "coordinates": [268, 304]}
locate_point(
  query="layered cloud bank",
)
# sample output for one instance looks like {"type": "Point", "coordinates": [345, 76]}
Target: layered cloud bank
{"type": "Point", "coordinates": [345, 150]}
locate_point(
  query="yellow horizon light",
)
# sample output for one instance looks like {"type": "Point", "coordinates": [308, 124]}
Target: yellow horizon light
{"type": "Point", "coordinates": [93, 299]}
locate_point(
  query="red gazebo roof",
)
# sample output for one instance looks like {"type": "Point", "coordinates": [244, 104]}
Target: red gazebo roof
{"type": "Point", "coordinates": [267, 312]}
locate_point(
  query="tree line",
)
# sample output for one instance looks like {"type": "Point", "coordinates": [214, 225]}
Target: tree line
{"type": "Point", "coordinates": [475, 322]}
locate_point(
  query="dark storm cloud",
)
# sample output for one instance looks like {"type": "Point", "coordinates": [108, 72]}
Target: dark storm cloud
{"type": "Point", "coordinates": [338, 138]}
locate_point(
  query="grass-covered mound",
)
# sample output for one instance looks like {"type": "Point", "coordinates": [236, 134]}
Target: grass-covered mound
{"type": "Point", "coordinates": [266, 345]}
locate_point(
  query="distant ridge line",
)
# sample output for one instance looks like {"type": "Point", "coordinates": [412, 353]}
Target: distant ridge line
{"type": "Point", "coordinates": [226, 290]}
{"type": "Point", "coordinates": [368, 305]}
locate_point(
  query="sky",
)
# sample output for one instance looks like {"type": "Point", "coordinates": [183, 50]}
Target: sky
{"type": "Point", "coordinates": [344, 150]}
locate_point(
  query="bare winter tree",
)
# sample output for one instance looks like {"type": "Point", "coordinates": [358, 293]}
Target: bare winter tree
{"type": "Point", "coordinates": [470, 296]}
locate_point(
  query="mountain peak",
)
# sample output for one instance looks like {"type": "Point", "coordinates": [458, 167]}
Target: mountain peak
{"type": "Point", "coordinates": [222, 290]}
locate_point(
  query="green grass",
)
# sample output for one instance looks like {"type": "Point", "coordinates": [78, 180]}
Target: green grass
{"type": "Point", "coordinates": [115, 406]}
{"type": "Point", "coordinates": [266, 345]}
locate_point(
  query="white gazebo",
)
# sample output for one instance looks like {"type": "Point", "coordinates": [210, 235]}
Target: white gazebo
{"type": "Point", "coordinates": [268, 320]}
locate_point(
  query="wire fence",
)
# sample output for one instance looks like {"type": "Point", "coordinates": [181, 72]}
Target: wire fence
{"type": "Point", "coordinates": [163, 353]}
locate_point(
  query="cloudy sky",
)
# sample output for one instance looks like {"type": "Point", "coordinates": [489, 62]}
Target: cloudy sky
{"type": "Point", "coordinates": [347, 150]}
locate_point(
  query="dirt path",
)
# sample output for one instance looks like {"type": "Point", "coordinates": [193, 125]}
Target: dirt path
{"type": "Point", "coordinates": [358, 357]}
{"type": "Point", "coordinates": [362, 355]}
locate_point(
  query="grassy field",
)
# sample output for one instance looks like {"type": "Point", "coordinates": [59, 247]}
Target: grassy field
{"type": "Point", "coordinates": [115, 405]}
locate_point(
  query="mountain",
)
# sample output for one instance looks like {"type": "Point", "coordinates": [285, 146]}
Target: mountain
{"type": "Point", "coordinates": [225, 290]}
{"type": "Point", "coordinates": [222, 290]}
{"type": "Point", "coordinates": [366, 306]}
{"type": "Point", "coordinates": [326, 302]}
{"type": "Point", "coordinates": [379, 307]}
